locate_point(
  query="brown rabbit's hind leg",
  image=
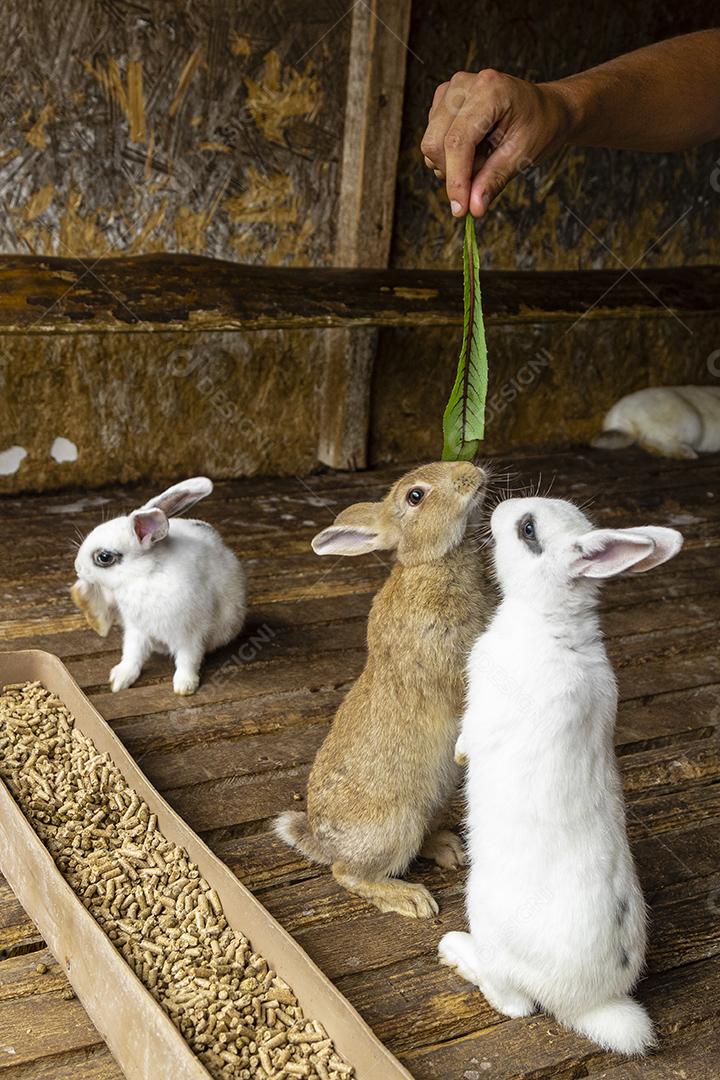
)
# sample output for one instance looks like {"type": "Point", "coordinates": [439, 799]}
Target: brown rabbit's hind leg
{"type": "Point", "coordinates": [444, 848]}
{"type": "Point", "coordinates": [293, 827]}
{"type": "Point", "coordinates": [388, 894]}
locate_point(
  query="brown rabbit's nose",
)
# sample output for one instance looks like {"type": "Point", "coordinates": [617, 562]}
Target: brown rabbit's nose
{"type": "Point", "coordinates": [467, 477]}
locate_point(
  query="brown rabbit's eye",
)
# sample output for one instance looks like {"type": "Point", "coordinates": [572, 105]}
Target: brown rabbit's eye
{"type": "Point", "coordinates": [106, 558]}
{"type": "Point", "coordinates": [415, 496]}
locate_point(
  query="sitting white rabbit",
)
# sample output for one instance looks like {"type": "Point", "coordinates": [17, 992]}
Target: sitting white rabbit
{"type": "Point", "coordinates": [173, 585]}
{"type": "Point", "coordinates": [556, 914]}
{"type": "Point", "coordinates": [672, 421]}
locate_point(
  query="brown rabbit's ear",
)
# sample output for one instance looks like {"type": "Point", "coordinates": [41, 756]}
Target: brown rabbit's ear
{"type": "Point", "coordinates": [361, 528]}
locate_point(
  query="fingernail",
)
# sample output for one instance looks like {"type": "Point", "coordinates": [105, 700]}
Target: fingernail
{"type": "Point", "coordinates": [456, 207]}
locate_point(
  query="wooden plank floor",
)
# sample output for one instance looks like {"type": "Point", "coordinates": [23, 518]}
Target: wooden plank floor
{"type": "Point", "coordinates": [238, 752]}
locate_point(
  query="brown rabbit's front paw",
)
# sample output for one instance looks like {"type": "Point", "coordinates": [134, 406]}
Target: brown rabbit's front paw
{"type": "Point", "coordinates": [444, 848]}
{"type": "Point", "coordinates": [390, 894]}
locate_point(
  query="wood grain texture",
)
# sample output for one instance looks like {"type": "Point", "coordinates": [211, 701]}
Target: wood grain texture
{"type": "Point", "coordinates": [366, 204]}
{"type": "Point", "coordinates": [140, 126]}
{"type": "Point", "coordinates": [551, 380]}
{"type": "Point", "coordinates": [148, 125]}
{"type": "Point", "coordinates": [153, 293]}
{"type": "Point", "coordinates": [238, 752]}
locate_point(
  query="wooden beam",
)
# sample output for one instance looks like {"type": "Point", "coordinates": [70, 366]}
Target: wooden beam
{"type": "Point", "coordinates": [158, 293]}
{"type": "Point", "coordinates": [371, 139]}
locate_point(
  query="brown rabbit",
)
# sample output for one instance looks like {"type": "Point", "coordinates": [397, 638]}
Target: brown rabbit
{"type": "Point", "coordinates": [386, 768]}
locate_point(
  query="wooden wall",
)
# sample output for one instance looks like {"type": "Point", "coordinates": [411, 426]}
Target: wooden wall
{"type": "Point", "coordinates": [133, 127]}
{"type": "Point", "coordinates": [585, 209]}
{"type": "Point", "coordinates": [207, 127]}
{"type": "Point", "coordinates": [268, 133]}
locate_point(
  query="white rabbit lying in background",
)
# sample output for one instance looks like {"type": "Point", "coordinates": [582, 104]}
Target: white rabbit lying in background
{"type": "Point", "coordinates": [173, 585]}
{"type": "Point", "coordinates": [556, 915]}
{"type": "Point", "coordinates": [673, 421]}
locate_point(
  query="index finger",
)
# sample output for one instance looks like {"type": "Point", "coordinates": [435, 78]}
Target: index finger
{"type": "Point", "coordinates": [447, 102]}
{"type": "Point", "coordinates": [463, 147]}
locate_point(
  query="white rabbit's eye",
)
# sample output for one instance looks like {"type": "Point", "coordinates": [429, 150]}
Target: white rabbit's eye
{"type": "Point", "coordinates": [526, 532]}
{"type": "Point", "coordinates": [415, 496]}
{"type": "Point", "coordinates": [106, 558]}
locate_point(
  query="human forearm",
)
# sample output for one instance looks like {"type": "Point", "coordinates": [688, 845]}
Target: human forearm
{"type": "Point", "coordinates": [485, 127]}
{"type": "Point", "coordinates": [663, 97]}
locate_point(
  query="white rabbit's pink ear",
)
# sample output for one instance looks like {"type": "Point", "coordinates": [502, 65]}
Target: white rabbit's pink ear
{"type": "Point", "coordinates": [346, 540]}
{"type": "Point", "coordinates": [604, 553]}
{"type": "Point", "coordinates": [180, 497]}
{"type": "Point", "coordinates": [667, 544]}
{"type": "Point", "coordinates": [149, 526]}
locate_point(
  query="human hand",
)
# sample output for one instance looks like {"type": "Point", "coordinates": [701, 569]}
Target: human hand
{"type": "Point", "coordinates": [485, 127]}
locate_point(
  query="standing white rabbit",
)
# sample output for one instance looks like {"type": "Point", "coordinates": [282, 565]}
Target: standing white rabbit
{"type": "Point", "coordinates": [173, 585]}
{"type": "Point", "coordinates": [556, 914]}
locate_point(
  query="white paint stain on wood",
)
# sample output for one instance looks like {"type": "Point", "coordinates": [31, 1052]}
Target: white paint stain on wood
{"type": "Point", "coordinates": [63, 450]}
{"type": "Point", "coordinates": [78, 506]}
{"type": "Point", "coordinates": [11, 459]}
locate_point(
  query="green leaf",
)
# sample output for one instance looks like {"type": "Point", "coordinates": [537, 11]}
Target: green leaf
{"type": "Point", "coordinates": [464, 418]}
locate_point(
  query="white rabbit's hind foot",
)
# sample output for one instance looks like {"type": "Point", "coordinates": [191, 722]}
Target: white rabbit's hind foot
{"type": "Point", "coordinates": [507, 1001]}
{"type": "Point", "coordinates": [390, 894]}
{"type": "Point", "coordinates": [457, 950]}
{"type": "Point", "coordinates": [123, 675]}
{"type": "Point", "coordinates": [444, 848]}
{"type": "Point", "coordinates": [668, 448]}
{"type": "Point", "coordinates": [621, 1025]}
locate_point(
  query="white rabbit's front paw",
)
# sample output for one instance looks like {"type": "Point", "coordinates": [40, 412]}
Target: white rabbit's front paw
{"type": "Point", "coordinates": [460, 751]}
{"type": "Point", "coordinates": [185, 682]}
{"type": "Point", "coordinates": [122, 675]}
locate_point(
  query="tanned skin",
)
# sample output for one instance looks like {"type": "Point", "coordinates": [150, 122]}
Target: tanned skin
{"type": "Point", "coordinates": [484, 127]}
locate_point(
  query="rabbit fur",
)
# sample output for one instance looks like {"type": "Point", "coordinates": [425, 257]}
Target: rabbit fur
{"type": "Point", "coordinates": [386, 768]}
{"type": "Point", "coordinates": [672, 421]}
{"type": "Point", "coordinates": [173, 585]}
{"type": "Point", "coordinates": [555, 910]}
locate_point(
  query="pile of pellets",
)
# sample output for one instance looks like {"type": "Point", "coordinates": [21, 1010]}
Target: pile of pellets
{"type": "Point", "coordinates": [241, 1019]}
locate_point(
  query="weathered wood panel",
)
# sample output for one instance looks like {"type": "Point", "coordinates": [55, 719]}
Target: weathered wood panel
{"type": "Point", "coordinates": [366, 204]}
{"type": "Point", "coordinates": [550, 382]}
{"type": "Point", "coordinates": [161, 406]}
{"type": "Point", "coordinates": [155, 125]}
{"type": "Point", "coordinates": [152, 293]}
{"type": "Point", "coordinates": [136, 126]}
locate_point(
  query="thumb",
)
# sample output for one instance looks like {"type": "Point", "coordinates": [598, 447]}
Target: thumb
{"type": "Point", "coordinates": [496, 172]}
